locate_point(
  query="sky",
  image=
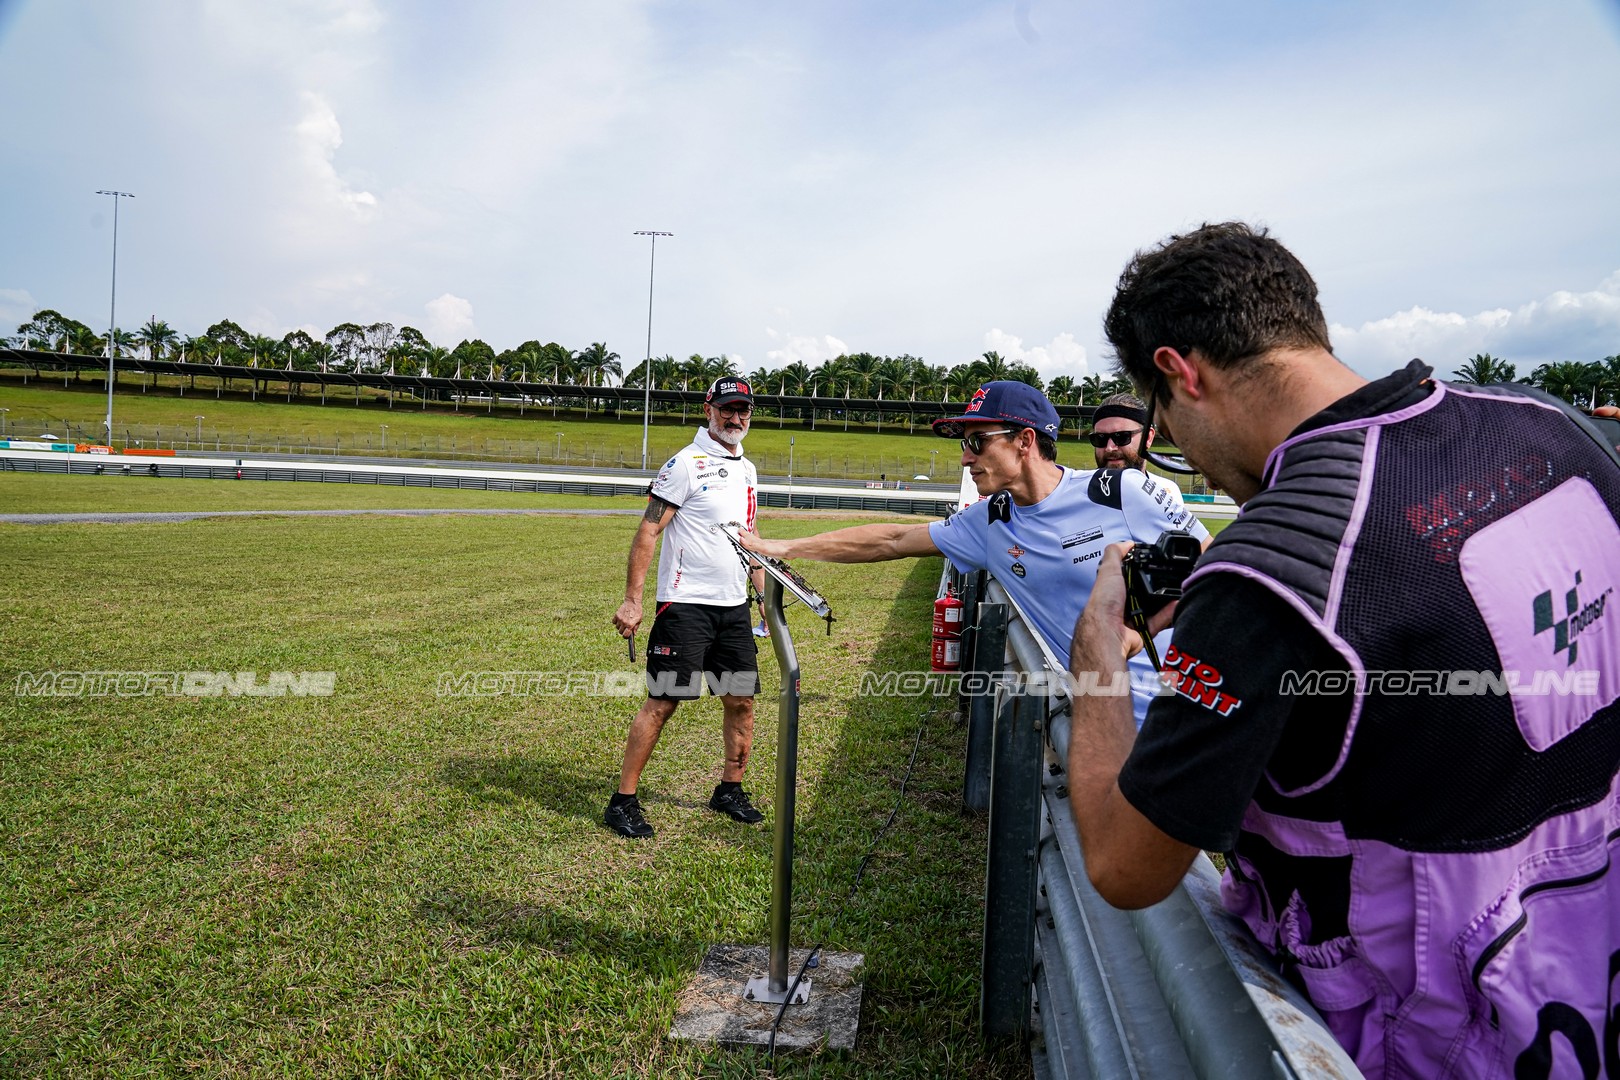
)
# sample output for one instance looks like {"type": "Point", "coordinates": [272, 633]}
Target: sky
{"type": "Point", "coordinates": [932, 177]}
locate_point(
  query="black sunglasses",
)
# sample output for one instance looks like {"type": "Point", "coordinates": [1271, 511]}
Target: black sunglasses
{"type": "Point", "coordinates": [1100, 439]}
{"type": "Point", "coordinates": [975, 441]}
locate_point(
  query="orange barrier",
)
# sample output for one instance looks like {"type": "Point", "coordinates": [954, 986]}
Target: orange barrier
{"type": "Point", "coordinates": [149, 453]}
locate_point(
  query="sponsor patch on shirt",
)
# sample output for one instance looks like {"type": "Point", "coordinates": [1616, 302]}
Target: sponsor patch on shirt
{"type": "Point", "coordinates": [1016, 552]}
{"type": "Point", "coordinates": [1087, 537]}
{"type": "Point", "coordinates": [1199, 683]}
{"type": "Point", "coordinates": [1018, 569]}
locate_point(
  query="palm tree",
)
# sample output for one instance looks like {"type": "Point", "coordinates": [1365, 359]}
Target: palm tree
{"type": "Point", "coordinates": [1063, 391]}
{"type": "Point", "coordinates": [85, 341]}
{"type": "Point", "coordinates": [123, 341]}
{"type": "Point", "coordinates": [962, 380]}
{"type": "Point", "coordinates": [438, 362]}
{"type": "Point", "coordinates": [1484, 369]}
{"type": "Point", "coordinates": [1023, 373]}
{"type": "Point", "coordinates": [1566, 379]}
{"type": "Point", "coordinates": [598, 364]}
{"type": "Point", "coordinates": [158, 336]}
{"type": "Point", "coordinates": [992, 367]}
{"type": "Point", "coordinates": [263, 348]}
{"type": "Point", "coordinates": [1607, 384]}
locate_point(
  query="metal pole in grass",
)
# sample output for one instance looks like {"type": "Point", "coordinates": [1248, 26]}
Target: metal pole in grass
{"type": "Point", "coordinates": [112, 307]}
{"type": "Point", "coordinates": [646, 372]}
{"type": "Point", "coordinates": [775, 984]}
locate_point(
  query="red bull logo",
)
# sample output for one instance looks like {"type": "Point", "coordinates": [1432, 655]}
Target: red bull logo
{"type": "Point", "coordinates": [976, 401]}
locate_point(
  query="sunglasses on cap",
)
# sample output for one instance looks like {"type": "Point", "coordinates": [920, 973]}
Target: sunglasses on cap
{"type": "Point", "coordinates": [975, 441]}
{"type": "Point", "coordinates": [1100, 439]}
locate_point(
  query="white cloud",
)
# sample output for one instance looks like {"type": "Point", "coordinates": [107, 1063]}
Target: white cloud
{"type": "Point", "coordinates": [319, 136]}
{"type": "Point", "coordinates": [810, 351]}
{"type": "Point", "coordinates": [1060, 356]}
{"type": "Point", "coordinates": [1561, 326]}
{"type": "Point", "coordinates": [449, 320]}
{"type": "Point", "coordinates": [17, 306]}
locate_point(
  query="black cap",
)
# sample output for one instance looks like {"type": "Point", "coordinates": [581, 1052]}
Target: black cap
{"type": "Point", "coordinates": [728, 389]}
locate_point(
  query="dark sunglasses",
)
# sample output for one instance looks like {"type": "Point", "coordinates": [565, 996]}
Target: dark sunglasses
{"type": "Point", "coordinates": [1100, 439]}
{"type": "Point", "coordinates": [975, 441]}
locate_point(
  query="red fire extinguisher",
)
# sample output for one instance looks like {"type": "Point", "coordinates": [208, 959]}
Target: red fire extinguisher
{"type": "Point", "coordinates": [947, 643]}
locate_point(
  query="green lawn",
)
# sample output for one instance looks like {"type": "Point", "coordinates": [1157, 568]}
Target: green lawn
{"type": "Point", "coordinates": [163, 418]}
{"type": "Point", "coordinates": [55, 493]}
{"type": "Point", "coordinates": [390, 882]}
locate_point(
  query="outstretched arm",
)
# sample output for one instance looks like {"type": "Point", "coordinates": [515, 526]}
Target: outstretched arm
{"type": "Point", "coordinates": [858, 544]}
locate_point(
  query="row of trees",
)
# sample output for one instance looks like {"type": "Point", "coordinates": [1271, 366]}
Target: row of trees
{"type": "Point", "coordinates": [382, 347]}
{"type": "Point", "coordinates": [1588, 385]}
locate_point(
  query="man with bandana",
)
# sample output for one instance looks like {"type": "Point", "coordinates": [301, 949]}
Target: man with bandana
{"type": "Point", "coordinates": [1120, 432]}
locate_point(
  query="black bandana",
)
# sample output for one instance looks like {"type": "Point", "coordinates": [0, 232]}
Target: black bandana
{"type": "Point", "coordinates": [1105, 411]}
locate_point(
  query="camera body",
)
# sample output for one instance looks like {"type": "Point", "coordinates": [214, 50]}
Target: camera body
{"type": "Point", "coordinates": [1155, 573]}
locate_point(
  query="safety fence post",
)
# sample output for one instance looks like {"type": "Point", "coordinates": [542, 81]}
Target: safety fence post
{"type": "Point", "coordinates": [1011, 871]}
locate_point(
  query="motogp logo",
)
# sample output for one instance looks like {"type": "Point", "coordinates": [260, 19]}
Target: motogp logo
{"type": "Point", "coordinates": [1577, 618]}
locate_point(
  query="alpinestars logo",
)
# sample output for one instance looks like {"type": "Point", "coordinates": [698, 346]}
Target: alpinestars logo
{"type": "Point", "coordinates": [1577, 618]}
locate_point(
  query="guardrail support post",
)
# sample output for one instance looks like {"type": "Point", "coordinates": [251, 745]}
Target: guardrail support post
{"type": "Point", "coordinates": [1011, 873]}
{"type": "Point", "coordinates": [988, 654]}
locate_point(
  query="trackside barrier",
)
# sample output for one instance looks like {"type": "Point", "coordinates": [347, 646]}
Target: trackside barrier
{"type": "Point", "coordinates": [799, 495]}
{"type": "Point", "coordinates": [1180, 989]}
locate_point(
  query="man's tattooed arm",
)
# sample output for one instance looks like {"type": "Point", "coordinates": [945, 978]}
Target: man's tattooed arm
{"type": "Point", "coordinates": [656, 509]}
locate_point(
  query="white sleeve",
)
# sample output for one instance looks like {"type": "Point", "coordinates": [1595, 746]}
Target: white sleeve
{"type": "Point", "coordinates": [1152, 504]}
{"type": "Point", "coordinates": [1193, 524]}
{"type": "Point", "coordinates": [673, 483]}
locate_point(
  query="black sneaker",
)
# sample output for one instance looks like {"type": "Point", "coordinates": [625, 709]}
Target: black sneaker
{"type": "Point", "coordinates": [735, 805]}
{"type": "Point", "coordinates": [627, 820]}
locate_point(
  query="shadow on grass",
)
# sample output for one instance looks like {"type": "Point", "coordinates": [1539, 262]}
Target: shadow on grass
{"type": "Point", "coordinates": [486, 920]}
{"type": "Point", "coordinates": [555, 785]}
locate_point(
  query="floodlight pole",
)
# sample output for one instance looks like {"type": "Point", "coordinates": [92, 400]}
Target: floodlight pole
{"type": "Point", "coordinates": [646, 371]}
{"type": "Point", "coordinates": [112, 309]}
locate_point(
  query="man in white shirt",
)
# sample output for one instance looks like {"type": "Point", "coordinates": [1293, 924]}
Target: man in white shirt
{"type": "Point", "coordinates": [701, 630]}
{"type": "Point", "coordinates": [1041, 529]}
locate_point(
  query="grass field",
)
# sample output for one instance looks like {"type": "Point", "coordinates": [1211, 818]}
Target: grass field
{"type": "Point", "coordinates": [387, 882]}
{"type": "Point", "coordinates": [161, 417]}
{"type": "Point", "coordinates": [47, 493]}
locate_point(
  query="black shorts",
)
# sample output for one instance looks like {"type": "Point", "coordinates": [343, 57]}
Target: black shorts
{"type": "Point", "coordinates": [690, 638]}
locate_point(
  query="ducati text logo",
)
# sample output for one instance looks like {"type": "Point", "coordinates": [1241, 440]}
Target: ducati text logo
{"type": "Point", "coordinates": [1575, 621]}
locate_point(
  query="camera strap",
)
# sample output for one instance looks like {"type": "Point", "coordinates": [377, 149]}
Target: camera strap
{"type": "Point", "coordinates": [1136, 615]}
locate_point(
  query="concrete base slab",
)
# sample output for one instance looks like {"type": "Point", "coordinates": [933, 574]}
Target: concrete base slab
{"type": "Point", "coordinates": [713, 1009]}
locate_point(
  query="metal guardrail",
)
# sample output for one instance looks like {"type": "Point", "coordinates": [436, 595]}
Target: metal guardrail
{"type": "Point", "coordinates": [1180, 989]}
{"type": "Point", "coordinates": [799, 496]}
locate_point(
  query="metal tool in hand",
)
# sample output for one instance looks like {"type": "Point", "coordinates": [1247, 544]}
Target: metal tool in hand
{"type": "Point", "coordinates": [792, 582]}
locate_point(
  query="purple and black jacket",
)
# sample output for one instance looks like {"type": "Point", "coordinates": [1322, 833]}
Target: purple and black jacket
{"type": "Point", "coordinates": [1445, 891]}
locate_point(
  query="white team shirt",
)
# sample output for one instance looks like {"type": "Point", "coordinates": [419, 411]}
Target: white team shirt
{"type": "Point", "coordinates": [1046, 555]}
{"type": "Point", "coordinates": [709, 484]}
